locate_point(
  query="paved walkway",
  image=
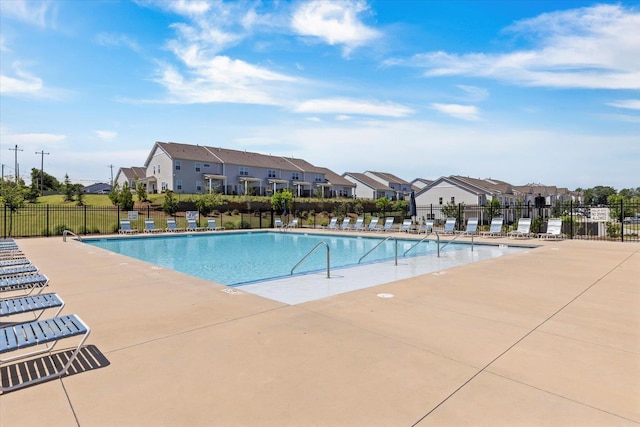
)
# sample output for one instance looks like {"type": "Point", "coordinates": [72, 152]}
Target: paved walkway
{"type": "Point", "coordinates": [550, 336]}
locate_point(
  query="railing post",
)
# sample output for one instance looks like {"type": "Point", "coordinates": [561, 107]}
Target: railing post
{"type": "Point", "coordinates": [621, 220]}
{"type": "Point", "coordinates": [47, 222]}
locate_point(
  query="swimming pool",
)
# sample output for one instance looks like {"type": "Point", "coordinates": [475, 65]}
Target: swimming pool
{"type": "Point", "coordinates": [239, 258]}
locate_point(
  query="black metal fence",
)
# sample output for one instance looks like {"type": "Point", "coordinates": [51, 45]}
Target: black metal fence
{"type": "Point", "coordinates": [617, 222]}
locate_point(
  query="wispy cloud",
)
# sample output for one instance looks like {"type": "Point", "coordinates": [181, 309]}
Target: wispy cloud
{"type": "Point", "coordinates": [335, 23]}
{"type": "Point", "coordinates": [33, 140]}
{"type": "Point", "coordinates": [631, 104]}
{"type": "Point", "coordinates": [41, 13]}
{"type": "Point", "coordinates": [595, 47]}
{"type": "Point", "coordinates": [106, 135]}
{"type": "Point", "coordinates": [22, 83]}
{"type": "Point", "coordinates": [474, 93]}
{"type": "Point", "coordinates": [116, 40]}
{"type": "Point", "coordinates": [345, 106]}
{"type": "Point", "coordinates": [464, 112]}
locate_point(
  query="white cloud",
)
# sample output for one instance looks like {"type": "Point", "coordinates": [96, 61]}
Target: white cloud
{"type": "Point", "coordinates": [595, 47]}
{"type": "Point", "coordinates": [464, 112]}
{"type": "Point", "coordinates": [631, 104]}
{"type": "Point", "coordinates": [350, 106]}
{"type": "Point", "coordinates": [106, 135]}
{"type": "Point", "coordinates": [335, 23]}
{"type": "Point", "coordinates": [22, 83]}
{"type": "Point", "coordinates": [474, 93]}
{"type": "Point", "coordinates": [30, 12]}
{"type": "Point", "coordinates": [116, 40]}
{"type": "Point", "coordinates": [33, 141]}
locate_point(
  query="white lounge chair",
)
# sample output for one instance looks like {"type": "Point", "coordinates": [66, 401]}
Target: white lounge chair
{"type": "Point", "coordinates": [373, 225]}
{"type": "Point", "coordinates": [426, 228]}
{"type": "Point", "coordinates": [20, 305]}
{"type": "Point", "coordinates": [472, 227]}
{"type": "Point", "coordinates": [523, 231]}
{"type": "Point", "coordinates": [495, 230]}
{"type": "Point", "coordinates": [449, 226]}
{"type": "Point", "coordinates": [554, 230]}
{"type": "Point", "coordinates": [292, 224]}
{"type": "Point", "coordinates": [359, 225]}
{"type": "Point", "coordinates": [345, 223]}
{"type": "Point", "coordinates": [277, 223]}
{"type": "Point", "coordinates": [388, 224]}
{"type": "Point", "coordinates": [333, 223]}
{"type": "Point", "coordinates": [406, 225]}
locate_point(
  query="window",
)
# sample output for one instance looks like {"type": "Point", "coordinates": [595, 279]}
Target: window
{"type": "Point", "coordinates": [295, 176]}
{"type": "Point", "coordinates": [319, 178]}
{"type": "Point", "coordinates": [178, 184]}
{"type": "Point", "coordinates": [178, 165]}
{"type": "Point", "coordinates": [198, 186]}
{"type": "Point", "coordinates": [440, 200]}
{"type": "Point", "coordinates": [197, 167]}
{"type": "Point", "coordinates": [158, 168]}
{"type": "Point", "coordinates": [164, 186]}
{"type": "Point", "coordinates": [453, 199]}
{"type": "Point", "coordinates": [154, 170]}
{"type": "Point", "coordinates": [271, 173]}
{"type": "Point", "coordinates": [244, 171]}
{"type": "Point", "coordinates": [207, 165]}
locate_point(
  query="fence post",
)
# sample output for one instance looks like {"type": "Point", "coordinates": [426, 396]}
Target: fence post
{"type": "Point", "coordinates": [571, 219]}
{"type": "Point", "coordinates": [621, 220]}
{"type": "Point", "coordinates": [47, 222]}
{"type": "Point", "coordinates": [85, 219]}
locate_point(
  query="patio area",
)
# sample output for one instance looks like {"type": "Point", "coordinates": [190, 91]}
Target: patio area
{"type": "Point", "coordinates": [548, 336]}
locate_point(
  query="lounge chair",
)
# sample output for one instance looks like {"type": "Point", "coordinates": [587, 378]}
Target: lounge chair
{"type": "Point", "coordinates": [192, 225]}
{"type": "Point", "coordinates": [495, 230]}
{"type": "Point", "coordinates": [125, 227]}
{"type": "Point", "coordinates": [150, 226]}
{"type": "Point", "coordinates": [406, 225]}
{"type": "Point", "coordinates": [388, 224]}
{"type": "Point", "coordinates": [449, 226]}
{"type": "Point", "coordinates": [18, 271]}
{"type": "Point", "coordinates": [426, 228]}
{"type": "Point", "coordinates": [346, 223]}
{"type": "Point", "coordinates": [373, 225]}
{"type": "Point", "coordinates": [359, 225]}
{"type": "Point", "coordinates": [523, 231]}
{"type": "Point", "coordinates": [554, 230]}
{"type": "Point", "coordinates": [292, 224]}
{"type": "Point", "coordinates": [12, 262]}
{"type": "Point", "coordinates": [172, 227]}
{"type": "Point", "coordinates": [11, 255]}
{"type": "Point", "coordinates": [42, 302]}
{"type": "Point", "coordinates": [277, 223]}
{"type": "Point", "coordinates": [49, 332]}
{"type": "Point", "coordinates": [333, 223]}
{"type": "Point", "coordinates": [27, 282]}
{"type": "Point", "coordinates": [472, 227]}
{"type": "Point", "coordinates": [212, 226]}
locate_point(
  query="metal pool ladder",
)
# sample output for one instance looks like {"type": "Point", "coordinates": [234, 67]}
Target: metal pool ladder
{"type": "Point", "coordinates": [312, 251]}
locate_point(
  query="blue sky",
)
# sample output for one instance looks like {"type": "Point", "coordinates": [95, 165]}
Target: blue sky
{"type": "Point", "coordinates": [521, 91]}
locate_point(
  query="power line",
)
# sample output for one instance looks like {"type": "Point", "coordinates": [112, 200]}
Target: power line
{"type": "Point", "coordinates": [42, 153]}
{"type": "Point", "coordinates": [16, 160]}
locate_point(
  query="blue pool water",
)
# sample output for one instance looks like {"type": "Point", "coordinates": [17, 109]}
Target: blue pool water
{"type": "Point", "coordinates": [239, 258]}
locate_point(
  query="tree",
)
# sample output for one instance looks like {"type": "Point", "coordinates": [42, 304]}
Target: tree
{"type": "Point", "coordinates": [598, 195]}
{"type": "Point", "coordinates": [383, 204]}
{"type": "Point", "coordinates": [68, 189]}
{"type": "Point", "coordinates": [141, 192]}
{"type": "Point", "coordinates": [114, 194]}
{"type": "Point", "coordinates": [492, 209]}
{"type": "Point", "coordinates": [49, 183]}
{"type": "Point", "coordinates": [451, 210]}
{"type": "Point", "coordinates": [281, 200]}
{"type": "Point", "coordinates": [170, 204]}
{"type": "Point", "coordinates": [126, 198]}
{"type": "Point", "coordinates": [207, 203]}
{"type": "Point", "coordinates": [402, 206]}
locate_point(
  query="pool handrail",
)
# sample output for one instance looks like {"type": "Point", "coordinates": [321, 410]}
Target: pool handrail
{"type": "Point", "coordinates": [312, 251]}
{"type": "Point", "coordinates": [451, 241]}
{"type": "Point", "coordinates": [65, 232]}
{"type": "Point", "coordinates": [422, 240]}
{"type": "Point", "coordinates": [376, 246]}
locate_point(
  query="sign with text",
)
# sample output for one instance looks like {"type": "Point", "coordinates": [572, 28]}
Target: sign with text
{"type": "Point", "coordinates": [600, 214]}
{"type": "Point", "coordinates": [191, 215]}
{"type": "Point", "coordinates": [132, 215]}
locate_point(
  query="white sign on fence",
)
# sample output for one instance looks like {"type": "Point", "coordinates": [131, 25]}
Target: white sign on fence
{"type": "Point", "coordinates": [600, 214]}
{"type": "Point", "coordinates": [132, 215]}
{"type": "Point", "coordinates": [191, 215]}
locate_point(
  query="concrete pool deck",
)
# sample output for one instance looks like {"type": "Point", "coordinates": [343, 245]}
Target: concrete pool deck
{"type": "Point", "coordinates": [549, 336]}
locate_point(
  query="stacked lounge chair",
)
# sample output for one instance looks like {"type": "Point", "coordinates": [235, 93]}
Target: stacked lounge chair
{"type": "Point", "coordinates": [39, 336]}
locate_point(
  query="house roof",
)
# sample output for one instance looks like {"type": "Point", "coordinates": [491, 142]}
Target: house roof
{"type": "Point", "coordinates": [368, 181]}
{"type": "Point", "coordinates": [178, 151]}
{"type": "Point", "coordinates": [388, 177]}
{"type": "Point", "coordinates": [336, 179]}
{"type": "Point", "coordinates": [133, 172]}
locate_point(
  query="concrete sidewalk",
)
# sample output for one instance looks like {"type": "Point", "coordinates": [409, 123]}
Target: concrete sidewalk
{"type": "Point", "coordinates": [549, 336]}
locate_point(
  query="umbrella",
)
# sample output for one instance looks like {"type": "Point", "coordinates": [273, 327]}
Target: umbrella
{"type": "Point", "coordinates": [284, 207]}
{"type": "Point", "coordinates": [412, 205]}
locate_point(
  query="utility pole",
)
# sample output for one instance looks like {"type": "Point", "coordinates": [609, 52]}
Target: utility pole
{"type": "Point", "coordinates": [42, 153]}
{"type": "Point", "coordinates": [16, 161]}
{"type": "Point", "coordinates": [111, 166]}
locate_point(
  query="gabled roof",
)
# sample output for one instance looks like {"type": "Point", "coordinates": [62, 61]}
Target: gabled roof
{"type": "Point", "coordinates": [368, 181]}
{"type": "Point", "coordinates": [178, 151]}
{"type": "Point", "coordinates": [490, 186]}
{"type": "Point", "coordinates": [134, 172]}
{"type": "Point", "coordinates": [336, 179]}
{"type": "Point", "coordinates": [387, 177]}
{"type": "Point", "coordinates": [422, 181]}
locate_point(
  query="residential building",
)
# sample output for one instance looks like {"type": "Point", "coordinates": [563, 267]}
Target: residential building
{"type": "Point", "coordinates": [401, 187]}
{"type": "Point", "coordinates": [131, 176]}
{"type": "Point", "coordinates": [98, 188]}
{"type": "Point", "coordinates": [185, 168]}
